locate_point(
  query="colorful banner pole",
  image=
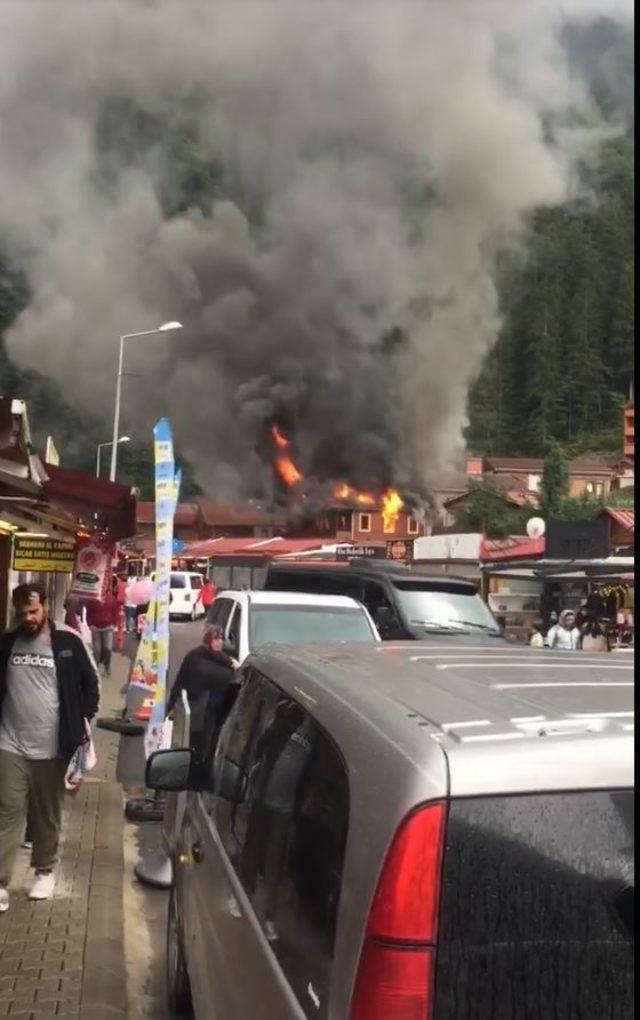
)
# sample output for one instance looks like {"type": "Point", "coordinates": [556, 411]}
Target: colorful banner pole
{"type": "Point", "coordinates": [167, 487]}
{"type": "Point", "coordinates": [144, 671]}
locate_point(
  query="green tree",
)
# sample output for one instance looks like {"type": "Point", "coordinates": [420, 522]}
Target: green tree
{"type": "Point", "coordinates": [554, 487]}
{"type": "Point", "coordinates": [582, 508]}
{"type": "Point", "coordinates": [622, 498]}
{"type": "Point", "coordinates": [486, 509]}
{"type": "Point", "coordinates": [563, 361]}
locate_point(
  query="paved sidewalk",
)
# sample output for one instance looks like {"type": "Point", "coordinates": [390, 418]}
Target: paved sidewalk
{"type": "Point", "coordinates": [65, 956]}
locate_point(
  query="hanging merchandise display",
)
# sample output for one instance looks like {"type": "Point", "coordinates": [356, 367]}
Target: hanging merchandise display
{"type": "Point", "coordinates": [93, 566]}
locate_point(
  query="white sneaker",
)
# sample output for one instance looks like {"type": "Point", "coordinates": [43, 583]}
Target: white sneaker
{"type": "Point", "coordinates": [43, 887]}
{"type": "Point", "coordinates": [4, 900]}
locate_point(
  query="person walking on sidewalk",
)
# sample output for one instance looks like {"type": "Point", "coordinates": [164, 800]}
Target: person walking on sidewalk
{"type": "Point", "coordinates": [102, 617]}
{"type": "Point", "coordinates": [207, 595]}
{"type": "Point", "coordinates": [130, 607]}
{"type": "Point", "coordinates": [48, 687]}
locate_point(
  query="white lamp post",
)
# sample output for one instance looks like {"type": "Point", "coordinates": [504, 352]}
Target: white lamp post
{"type": "Point", "coordinates": [101, 446]}
{"type": "Point", "coordinates": [165, 328]}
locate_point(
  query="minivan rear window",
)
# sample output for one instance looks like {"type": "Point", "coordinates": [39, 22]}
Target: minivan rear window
{"type": "Point", "coordinates": [178, 581]}
{"type": "Point", "coordinates": [537, 908]}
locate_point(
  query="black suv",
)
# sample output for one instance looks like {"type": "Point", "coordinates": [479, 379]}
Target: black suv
{"type": "Point", "coordinates": [404, 604]}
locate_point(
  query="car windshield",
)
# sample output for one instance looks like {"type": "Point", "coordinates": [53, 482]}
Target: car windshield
{"type": "Point", "coordinates": [445, 606]}
{"type": "Point", "coordinates": [307, 625]}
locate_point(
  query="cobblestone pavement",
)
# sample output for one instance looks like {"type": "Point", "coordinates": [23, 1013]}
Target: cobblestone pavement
{"type": "Point", "coordinates": [65, 956]}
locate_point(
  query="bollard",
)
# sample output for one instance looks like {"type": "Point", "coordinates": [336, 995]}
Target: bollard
{"type": "Point", "coordinates": [154, 867]}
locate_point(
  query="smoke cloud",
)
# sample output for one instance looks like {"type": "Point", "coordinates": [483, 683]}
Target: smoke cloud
{"type": "Point", "coordinates": [317, 191]}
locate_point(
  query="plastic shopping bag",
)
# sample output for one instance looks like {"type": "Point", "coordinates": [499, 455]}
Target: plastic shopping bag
{"type": "Point", "coordinates": [83, 760]}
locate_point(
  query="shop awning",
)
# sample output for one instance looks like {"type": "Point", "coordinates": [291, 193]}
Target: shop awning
{"type": "Point", "coordinates": [515, 546]}
{"type": "Point", "coordinates": [248, 546]}
{"type": "Point", "coordinates": [610, 566]}
{"type": "Point", "coordinates": [95, 501]}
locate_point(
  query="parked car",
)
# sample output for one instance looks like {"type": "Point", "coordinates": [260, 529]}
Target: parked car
{"type": "Point", "coordinates": [404, 604]}
{"type": "Point", "coordinates": [386, 832]}
{"type": "Point", "coordinates": [251, 619]}
{"type": "Point", "coordinates": [184, 591]}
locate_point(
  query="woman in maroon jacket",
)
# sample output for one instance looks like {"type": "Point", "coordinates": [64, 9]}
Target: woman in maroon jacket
{"type": "Point", "coordinates": [102, 617]}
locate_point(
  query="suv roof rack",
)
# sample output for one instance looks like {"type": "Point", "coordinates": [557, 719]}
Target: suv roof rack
{"type": "Point", "coordinates": [379, 566]}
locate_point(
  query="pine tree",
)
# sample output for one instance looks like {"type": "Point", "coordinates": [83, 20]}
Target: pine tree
{"type": "Point", "coordinates": [554, 487]}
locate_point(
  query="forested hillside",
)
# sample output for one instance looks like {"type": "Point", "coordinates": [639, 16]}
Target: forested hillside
{"type": "Point", "coordinates": [564, 361]}
{"type": "Point", "coordinates": [563, 364]}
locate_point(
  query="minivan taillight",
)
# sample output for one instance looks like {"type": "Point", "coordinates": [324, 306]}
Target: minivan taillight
{"type": "Point", "coordinates": [397, 966]}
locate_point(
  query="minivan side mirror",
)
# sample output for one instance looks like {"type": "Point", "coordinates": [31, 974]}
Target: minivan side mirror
{"type": "Point", "coordinates": [172, 771]}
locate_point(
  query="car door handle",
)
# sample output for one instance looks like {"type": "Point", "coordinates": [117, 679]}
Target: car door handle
{"type": "Point", "coordinates": [197, 852]}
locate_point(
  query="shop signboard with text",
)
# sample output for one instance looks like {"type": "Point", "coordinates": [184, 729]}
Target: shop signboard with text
{"type": "Point", "coordinates": [359, 552]}
{"type": "Point", "coordinates": [43, 555]}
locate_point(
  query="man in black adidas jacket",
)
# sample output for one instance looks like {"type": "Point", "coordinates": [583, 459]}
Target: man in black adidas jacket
{"type": "Point", "coordinates": [48, 687]}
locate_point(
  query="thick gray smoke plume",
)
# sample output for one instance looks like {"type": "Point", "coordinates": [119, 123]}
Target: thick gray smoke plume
{"type": "Point", "coordinates": [367, 161]}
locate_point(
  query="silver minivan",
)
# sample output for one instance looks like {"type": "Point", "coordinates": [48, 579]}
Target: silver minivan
{"type": "Point", "coordinates": [394, 832]}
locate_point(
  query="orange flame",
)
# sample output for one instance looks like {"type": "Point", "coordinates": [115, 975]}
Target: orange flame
{"type": "Point", "coordinates": [281, 440]}
{"type": "Point", "coordinates": [284, 465]}
{"type": "Point", "coordinates": [288, 471]}
{"type": "Point", "coordinates": [365, 498]}
{"type": "Point", "coordinates": [392, 504]}
{"type": "Point", "coordinates": [345, 491]}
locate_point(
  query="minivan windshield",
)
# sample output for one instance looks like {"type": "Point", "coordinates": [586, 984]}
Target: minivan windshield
{"type": "Point", "coordinates": [307, 625]}
{"type": "Point", "coordinates": [430, 606]}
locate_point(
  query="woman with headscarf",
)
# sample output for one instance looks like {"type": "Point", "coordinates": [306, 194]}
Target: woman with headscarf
{"type": "Point", "coordinates": [207, 676]}
{"type": "Point", "coordinates": [565, 634]}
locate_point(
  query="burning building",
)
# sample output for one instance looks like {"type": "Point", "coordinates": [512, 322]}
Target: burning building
{"type": "Point", "coordinates": [338, 510]}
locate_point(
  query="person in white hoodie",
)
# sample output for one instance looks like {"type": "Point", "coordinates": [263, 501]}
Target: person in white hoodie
{"type": "Point", "coordinates": [565, 634]}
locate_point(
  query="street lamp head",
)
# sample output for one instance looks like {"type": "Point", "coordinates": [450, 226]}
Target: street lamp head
{"type": "Point", "coordinates": [124, 439]}
{"type": "Point", "coordinates": [168, 326]}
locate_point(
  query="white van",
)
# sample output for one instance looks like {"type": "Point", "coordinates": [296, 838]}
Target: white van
{"type": "Point", "coordinates": [250, 619]}
{"type": "Point", "coordinates": [184, 595]}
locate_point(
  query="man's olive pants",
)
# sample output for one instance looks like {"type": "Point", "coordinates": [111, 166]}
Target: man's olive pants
{"type": "Point", "coordinates": [38, 786]}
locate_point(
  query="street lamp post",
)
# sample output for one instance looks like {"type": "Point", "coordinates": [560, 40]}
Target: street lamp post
{"type": "Point", "coordinates": [165, 328]}
{"type": "Point", "coordinates": [101, 446]}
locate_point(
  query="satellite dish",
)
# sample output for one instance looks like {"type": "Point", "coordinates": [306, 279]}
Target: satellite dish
{"type": "Point", "coordinates": [536, 527]}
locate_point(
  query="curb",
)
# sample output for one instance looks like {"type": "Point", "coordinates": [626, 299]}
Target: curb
{"type": "Point", "coordinates": [104, 992]}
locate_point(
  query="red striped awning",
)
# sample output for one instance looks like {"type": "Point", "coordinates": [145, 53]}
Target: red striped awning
{"type": "Point", "coordinates": [625, 518]}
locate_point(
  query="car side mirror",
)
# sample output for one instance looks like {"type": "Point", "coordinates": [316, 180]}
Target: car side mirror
{"type": "Point", "coordinates": [172, 770]}
{"type": "Point", "coordinates": [229, 781]}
